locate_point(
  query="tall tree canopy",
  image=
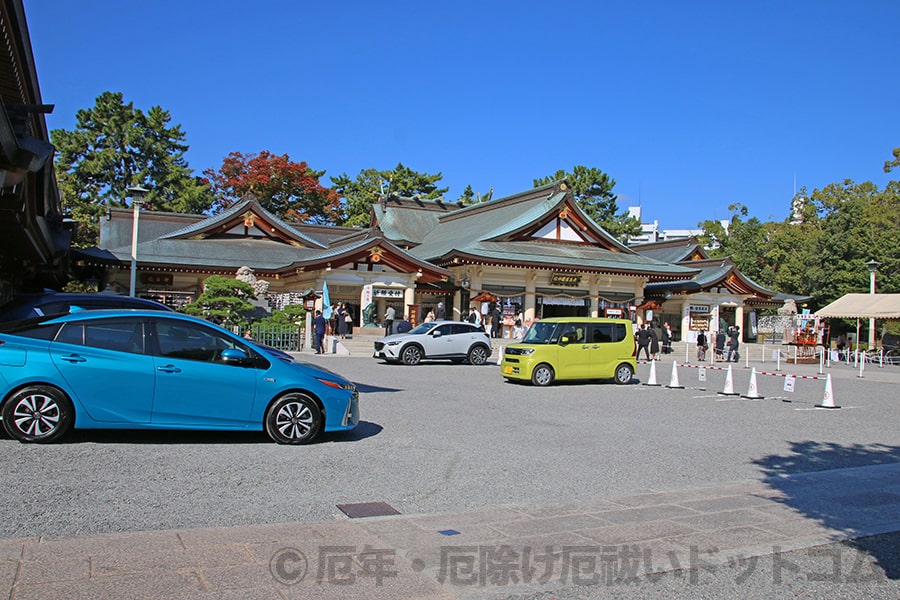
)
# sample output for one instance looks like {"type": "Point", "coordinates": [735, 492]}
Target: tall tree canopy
{"type": "Point", "coordinates": [371, 185]}
{"type": "Point", "coordinates": [115, 146]}
{"type": "Point", "coordinates": [822, 248]}
{"type": "Point", "coordinates": [288, 189]}
{"type": "Point", "coordinates": [593, 191]}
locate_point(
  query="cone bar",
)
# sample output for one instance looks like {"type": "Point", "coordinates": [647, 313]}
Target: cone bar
{"type": "Point", "coordinates": [729, 385]}
{"type": "Point", "coordinates": [673, 383]}
{"type": "Point", "coordinates": [652, 379]}
{"type": "Point", "coordinates": [753, 391]}
{"type": "Point", "coordinates": [828, 399]}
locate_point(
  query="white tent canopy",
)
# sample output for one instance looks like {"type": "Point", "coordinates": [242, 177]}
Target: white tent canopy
{"type": "Point", "coordinates": [863, 306]}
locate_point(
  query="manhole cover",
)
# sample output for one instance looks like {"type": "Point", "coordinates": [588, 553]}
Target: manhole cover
{"type": "Point", "coordinates": [368, 509]}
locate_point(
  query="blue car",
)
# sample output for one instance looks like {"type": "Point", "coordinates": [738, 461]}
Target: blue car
{"type": "Point", "coordinates": [145, 369]}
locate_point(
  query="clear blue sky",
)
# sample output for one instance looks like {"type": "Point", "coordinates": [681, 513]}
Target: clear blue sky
{"type": "Point", "coordinates": [689, 106]}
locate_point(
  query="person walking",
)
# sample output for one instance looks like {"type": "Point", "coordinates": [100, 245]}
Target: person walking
{"type": "Point", "coordinates": [319, 325]}
{"type": "Point", "coordinates": [654, 344]}
{"type": "Point", "coordinates": [701, 346]}
{"type": "Point", "coordinates": [389, 320]}
{"type": "Point", "coordinates": [439, 313]}
{"type": "Point", "coordinates": [734, 341]}
{"type": "Point", "coordinates": [643, 340]}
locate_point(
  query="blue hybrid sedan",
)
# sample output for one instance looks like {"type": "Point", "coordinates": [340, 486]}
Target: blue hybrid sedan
{"type": "Point", "coordinates": [145, 369]}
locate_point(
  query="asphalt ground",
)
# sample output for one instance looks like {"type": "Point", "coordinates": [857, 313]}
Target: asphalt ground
{"type": "Point", "coordinates": [450, 438]}
{"type": "Point", "coordinates": [442, 438]}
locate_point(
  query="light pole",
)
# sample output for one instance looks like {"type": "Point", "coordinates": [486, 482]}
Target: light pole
{"type": "Point", "coordinates": [873, 267]}
{"type": "Point", "coordinates": [137, 194]}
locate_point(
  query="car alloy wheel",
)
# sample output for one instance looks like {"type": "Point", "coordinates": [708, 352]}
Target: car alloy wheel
{"type": "Point", "coordinates": [37, 414]}
{"type": "Point", "coordinates": [542, 375]}
{"type": "Point", "coordinates": [293, 419]}
{"type": "Point", "coordinates": [478, 355]}
{"type": "Point", "coordinates": [624, 374]}
{"type": "Point", "coordinates": [411, 355]}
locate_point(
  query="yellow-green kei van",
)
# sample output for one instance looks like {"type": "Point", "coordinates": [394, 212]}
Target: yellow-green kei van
{"type": "Point", "coordinates": [566, 348]}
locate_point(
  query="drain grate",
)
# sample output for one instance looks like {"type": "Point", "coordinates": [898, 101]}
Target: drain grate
{"type": "Point", "coordinates": [368, 509]}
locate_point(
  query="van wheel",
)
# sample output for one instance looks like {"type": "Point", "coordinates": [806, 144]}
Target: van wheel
{"type": "Point", "coordinates": [542, 375]}
{"type": "Point", "coordinates": [624, 373]}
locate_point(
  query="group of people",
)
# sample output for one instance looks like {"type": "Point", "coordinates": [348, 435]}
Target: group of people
{"type": "Point", "coordinates": [727, 344]}
{"type": "Point", "coordinates": [341, 322]}
{"type": "Point", "coordinates": [648, 340]}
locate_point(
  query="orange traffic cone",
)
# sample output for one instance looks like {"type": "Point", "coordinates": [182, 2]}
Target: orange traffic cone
{"type": "Point", "coordinates": [753, 391]}
{"type": "Point", "coordinates": [729, 385]}
{"type": "Point", "coordinates": [673, 382]}
{"type": "Point", "coordinates": [828, 399]}
{"type": "Point", "coordinates": [652, 379]}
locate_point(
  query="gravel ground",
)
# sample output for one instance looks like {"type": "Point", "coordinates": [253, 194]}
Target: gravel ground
{"type": "Point", "coordinates": [447, 438]}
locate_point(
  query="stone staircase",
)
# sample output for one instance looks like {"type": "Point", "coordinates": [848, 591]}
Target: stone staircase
{"type": "Point", "coordinates": [362, 342]}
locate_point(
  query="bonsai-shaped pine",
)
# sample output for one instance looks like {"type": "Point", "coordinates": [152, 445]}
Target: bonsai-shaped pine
{"type": "Point", "coordinates": [223, 301]}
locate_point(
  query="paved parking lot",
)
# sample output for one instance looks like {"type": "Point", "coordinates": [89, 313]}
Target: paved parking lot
{"type": "Point", "coordinates": [441, 437]}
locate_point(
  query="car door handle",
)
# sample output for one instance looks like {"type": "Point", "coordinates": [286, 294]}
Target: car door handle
{"type": "Point", "coordinates": [73, 358]}
{"type": "Point", "coordinates": [169, 369]}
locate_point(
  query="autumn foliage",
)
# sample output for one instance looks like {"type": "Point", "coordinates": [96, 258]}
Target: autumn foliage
{"type": "Point", "coordinates": [290, 190]}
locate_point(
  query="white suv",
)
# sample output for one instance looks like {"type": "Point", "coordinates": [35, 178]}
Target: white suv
{"type": "Point", "coordinates": [453, 340]}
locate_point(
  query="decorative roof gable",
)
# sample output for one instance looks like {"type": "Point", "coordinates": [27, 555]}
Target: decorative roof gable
{"type": "Point", "coordinates": [245, 220]}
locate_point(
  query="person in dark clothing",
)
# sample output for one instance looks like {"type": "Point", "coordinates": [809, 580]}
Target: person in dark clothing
{"type": "Point", "coordinates": [496, 319]}
{"type": "Point", "coordinates": [720, 345]}
{"type": "Point", "coordinates": [734, 340]}
{"type": "Point", "coordinates": [439, 312]}
{"type": "Point", "coordinates": [319, 325]}
{"type": "Point", "coordinates": [701, 346]}
{"type": "Point", "coordinates": [403, 326]}
{"type": "Point", "coordinates": [643, 340]}
{"type": "Point", "coordinates": [654, 344]}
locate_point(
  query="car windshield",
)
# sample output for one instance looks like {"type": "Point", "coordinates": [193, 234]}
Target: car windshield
{"type": "Point", "coordinates": [423, 328]}
{"type": "Point", "coordinates": [541, 333]}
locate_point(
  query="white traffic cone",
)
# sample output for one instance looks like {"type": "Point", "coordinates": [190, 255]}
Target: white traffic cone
{"type": "Point", "coordinates": [652, 379]}
{"type": "Point", "coordinates": [729, 385]}
{"type": "Point", "coordinates": [753, 391]}
{"type": "Point", "coordinates": [673, 383]}
{"type": "Point", "coordinates": [828, 399]}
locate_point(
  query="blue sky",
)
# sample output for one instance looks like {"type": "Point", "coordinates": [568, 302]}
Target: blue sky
{"type": "Point", "coordinates": [689, 106]}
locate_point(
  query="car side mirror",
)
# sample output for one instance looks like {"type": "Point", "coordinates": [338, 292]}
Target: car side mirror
{"type": "Point", "coordinates": [436, 334]}
{"type": "Point", "coordinates": [234, 356]}
{"type": "Point", "coordinates": [565, 340]}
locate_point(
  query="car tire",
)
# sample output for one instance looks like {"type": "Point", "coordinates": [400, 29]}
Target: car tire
{"type": "Point", "coordinates": [542, 375]}
{"type": "Point", "coordinates": [624, 373]}
{"type": "Point", "coordinates": [294, 418]}
{"type": "Point", "coordinates": [478, 355]}
{"type": "Point", "coordinates": [38, 413]}
{"type": "Point", "coordinates": [411, 355]}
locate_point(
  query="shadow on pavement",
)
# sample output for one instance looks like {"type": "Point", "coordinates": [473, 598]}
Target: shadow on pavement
{"type": "Point", "coordinates": [844, 500]}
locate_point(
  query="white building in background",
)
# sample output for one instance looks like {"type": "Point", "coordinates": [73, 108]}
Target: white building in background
{"type": "Point", "coordinates": [651, 233]}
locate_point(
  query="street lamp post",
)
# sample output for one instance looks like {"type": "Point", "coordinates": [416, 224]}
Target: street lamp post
{"type": "Point", "coordinates": [873, 267]}
{"type": "Point", "coordinates": [137, 194]}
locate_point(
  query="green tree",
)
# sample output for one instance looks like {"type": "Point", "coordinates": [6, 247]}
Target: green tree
{"type": "Point", "coordinates": [292, 314]}
{"type": "Point", "coordinates": [115, 146]}
{"type": "Point", "coordinates": [372, 185]}
{"type": "Point", "coordinates": [224, 301]}
{"type": "Point", "coordinates": [288, 189]}
{"type": "Point", "coordinates": [890, 165]}
{"type": "Point", "coordinates": [593, 191]}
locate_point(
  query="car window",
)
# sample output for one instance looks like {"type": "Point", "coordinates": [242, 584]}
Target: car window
{"type": "Point", "coordinates": [541, 333]}
{"type": "Point", "coordinates": [30, 329]}
{"type": "Point", "coordinates": [423, 328]}
{"type": "Point", "coordinates": [191, 341]}
{"type": "Point", "coordinates": [121, 335]}
{"type": "Point", "coordinates": [445, 329]}
{"type": "Point", "coordinates": [607, 333]}
{"type": "Point", "coordinates": [464, 328]}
